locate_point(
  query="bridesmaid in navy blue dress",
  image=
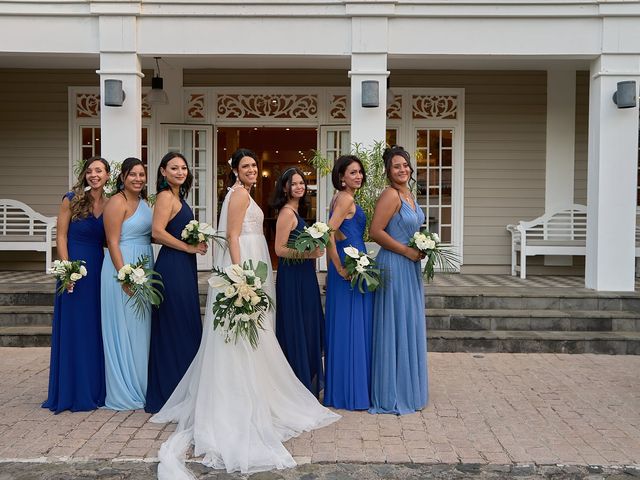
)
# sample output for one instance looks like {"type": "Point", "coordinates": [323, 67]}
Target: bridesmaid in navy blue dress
{"type": "Point", "coordinates": [76, 372]}
{"type": "Point", "coordinates": [299, 317]}
{"type": "Point", "coordinates": [349, 312]}
{"type": "Point", "coordinates": [176, 327]}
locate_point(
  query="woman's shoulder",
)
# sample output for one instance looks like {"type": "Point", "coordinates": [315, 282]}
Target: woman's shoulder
{"type": "Point", "coordinates": [344, 200]}
{"type": "Point", "coordinates": [69, 195]}
{"type": "Point", "coordinates": [389, 194]}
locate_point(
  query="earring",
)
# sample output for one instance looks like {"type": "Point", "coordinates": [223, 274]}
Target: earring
{"type": "Point", "coordinates": [163, 183]}
{"type": "Point", "coordinates": [343, 184]}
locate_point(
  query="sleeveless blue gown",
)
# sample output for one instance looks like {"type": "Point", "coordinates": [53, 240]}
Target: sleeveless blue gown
{"type": "Point", "coordinates": [299, 318]}
{"type": "Point", "coordinates": [348, 329]}
{"type": "Point", "coordinates": [176, 326]}
{"type": "Point", "coordinates": [126, 335]}
{"type": "Point", "coordinates": [399, 352]}
{"type": "Point", "coordinates": [76, 372]}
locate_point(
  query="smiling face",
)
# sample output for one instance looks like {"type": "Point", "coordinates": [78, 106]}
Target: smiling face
{"type": "Point", "coordinates": [400, 171]}
{"type": "Point", "coordinates": [247, 172]}
{"type": "Point", "coordinates": [135, 180]}
{"type": "Point", "coordinates": [353, 175]}
{"type": "Point", "coordinates": [96, 175]}
{"type": "Point", "coordinates": [176, 171]}
{"type": "Point", "coordinates": [297, 187]}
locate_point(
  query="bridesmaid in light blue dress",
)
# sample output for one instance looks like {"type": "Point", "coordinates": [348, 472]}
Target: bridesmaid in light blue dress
{"type": "Point", "coordinates": [399, 351]}
{"type": "Point", "coordinates": [127, 223]}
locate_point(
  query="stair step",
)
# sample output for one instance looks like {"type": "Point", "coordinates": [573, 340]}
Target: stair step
{"type": "Point", "coordinates": [514, 341]}
{"type": "Point", "coordinates": [25, 336]}
{"type": "Point", "coordinates": [27, 315]}
{"type": "Point", "coordinates": [512, 319]}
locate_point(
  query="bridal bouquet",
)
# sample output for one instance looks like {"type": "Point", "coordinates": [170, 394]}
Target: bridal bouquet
{"type": "Point", "coordinates": [68, 272]}
{"type": "Point", "coordinates": [195, 232]}
{"type": "Point", "coordinates": [315, 236]}
{"type": "Point", "coordinates": [362, 269]}
{"type": "Point", "coordinates": [429, 244]}
{"type": "Point", "coordinates": [142, 281]}
{"type": "Point", "coordinates": [239, 309]}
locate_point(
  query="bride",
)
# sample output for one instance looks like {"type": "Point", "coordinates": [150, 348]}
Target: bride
{"type": "Point", "coordinates": [235, 404]}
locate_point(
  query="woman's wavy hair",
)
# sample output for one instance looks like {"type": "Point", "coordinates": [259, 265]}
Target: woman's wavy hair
{"type": "Point", "coordinates": [81, 205]}
{"type": "Point", "coordinates": [341, 166]}
{"type": "Point", "coordinates": [162, 184]}
{"type": "Point", "coordinates": [236, 156]}
{"type": "Point", "coordinates": [126, 167]}
{"type": "Point", "coordinates": [282, 191]}
{"type": "Point", "coordinates": [388, 155]}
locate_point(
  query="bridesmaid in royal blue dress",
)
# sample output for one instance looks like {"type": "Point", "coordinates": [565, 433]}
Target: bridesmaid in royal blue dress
{"type": "Point", "coordinates": [176, 326]}
{"type": "Point", "coordinates": [127, 224]}
{"type": "Point", "coordinates": [76, 372]}
{"type": "Point", "coordinates": [299, 317]}
{"type": "Point", "coordinates": [399, 352]}
{"type": "Point", "coordinates": [348, 311]}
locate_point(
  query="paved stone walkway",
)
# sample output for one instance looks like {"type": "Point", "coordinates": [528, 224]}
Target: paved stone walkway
{"type": "Point", "coordinates": [507, 409]}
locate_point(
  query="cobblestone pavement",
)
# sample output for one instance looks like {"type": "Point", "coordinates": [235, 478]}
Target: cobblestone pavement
{"type": "Point", "coordinates": [484, 409]}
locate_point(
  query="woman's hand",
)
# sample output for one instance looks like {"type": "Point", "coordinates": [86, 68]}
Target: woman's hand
{"type": "Point", "coordinates": [200, 248]}
{"type": "Point", "coordinates": [413, 254]}
{"type": "Point", "coordinates": [343, 273]}
{"type": "Point", "coordinates": [317, 253]}
{"type": "Point", "coordinates": [127, 289]}
{"type": "Point", "coordinates": [70, 287]}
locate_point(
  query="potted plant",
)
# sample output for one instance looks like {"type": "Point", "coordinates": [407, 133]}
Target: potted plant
{"type": "Point", "coordinates": [368, 195]}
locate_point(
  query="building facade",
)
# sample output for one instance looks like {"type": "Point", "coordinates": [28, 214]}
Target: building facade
{"type": "Point", "coordinates": [506, 106]}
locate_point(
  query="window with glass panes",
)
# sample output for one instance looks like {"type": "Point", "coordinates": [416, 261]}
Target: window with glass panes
{"type": "Point", "coordinates": [91, 145]}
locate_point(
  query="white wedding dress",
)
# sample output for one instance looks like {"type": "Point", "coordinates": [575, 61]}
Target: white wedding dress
{"type": "Point", "coordinates": [236, 405]}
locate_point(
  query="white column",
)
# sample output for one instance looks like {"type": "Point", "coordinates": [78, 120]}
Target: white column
{"type": "Point", "coordinates": [120, 126]}
{"type": "Point", "coordinates": [368, 62]}
{"type": "Point", "coordinates": [612, 177]}
{"type": "Point", "coordinates": [560, 152]}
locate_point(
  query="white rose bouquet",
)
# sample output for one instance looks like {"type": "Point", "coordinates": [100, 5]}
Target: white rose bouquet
{"type": "Point", "coordinates": [195, 232]}
{"type": "Point", "coordinates": [315, 236]}
{"type": "Point", "coordinates": [239, 309]}
{"type": "Point", "coordinates": [142, 281]}
{"type": "Point", "coordinates": [68, 273]}
{"type": "Point", "coordinates": [429, 244]}
{"type": "Point", "coordinates": [362, 269]}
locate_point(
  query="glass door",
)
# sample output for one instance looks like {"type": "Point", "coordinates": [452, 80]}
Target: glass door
{"type": "Point", "coordinates": [195, 142]}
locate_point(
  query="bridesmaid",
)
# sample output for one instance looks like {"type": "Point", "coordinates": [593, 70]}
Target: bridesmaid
{"type": "Point", "coordinates": [299, 317]}
{"type": "Point", "coordinates": [127, 224]}
{"type": "Point", "coordinates": [348, 312]}
{"type": "Point", "coordinates": [76, 373]}
{"type": "Point", "coordinates": [399, 359]}
{"type": "Point", "coordinates": [176, 327]}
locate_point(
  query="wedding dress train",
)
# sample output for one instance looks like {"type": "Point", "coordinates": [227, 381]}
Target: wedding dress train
{"type": "Point", "coordinates": [236, 404]}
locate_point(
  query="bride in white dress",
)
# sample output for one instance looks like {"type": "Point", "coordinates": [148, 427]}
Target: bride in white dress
{"type": "Point", "coordinates": [235, 404]}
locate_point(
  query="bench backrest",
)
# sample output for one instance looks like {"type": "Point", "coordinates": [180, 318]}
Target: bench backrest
{"type": "Point", "coordinates": [566, 224]}
{"type": "Point", "coordinates": [17, 218]}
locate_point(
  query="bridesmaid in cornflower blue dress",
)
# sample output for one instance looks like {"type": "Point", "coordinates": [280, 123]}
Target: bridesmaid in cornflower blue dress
{"type": "Point", "coordinates": [299, 317]}
{"type": "Point", "coordinates": [176, 326]}
{"type": "Point", "coordinates": [399, 354]}
{"type": "Point", "coordinates": [76, 372]}
{"type": "Point", "coordinates": [127, 224]}
{"type": "Point", "coordinates": [348, 311]}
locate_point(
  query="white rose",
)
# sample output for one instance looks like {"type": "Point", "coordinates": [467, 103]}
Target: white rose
{"type": "Point", "coordinates": [436, 238]}
{"type": "Point", "coordinates": [321, 227]}
{"type": "Point", "coordinates": [257, 283]}
{"type": "Point", "coordinates": [83, 271]}
{"type": "Point", "coordinates": [121, 276]}
{"type": "Point", "coordinates": [189, 227]}
{"type": "Point", "coordinates": [359, 268]}
{"type": "Point", "coordinates": [235, 273]}
{"type": "Point", "coordinates": [430, 244]}
{"type": "Point", "coordinates": [229, 291]}
{"type": "Point", "coordinates": [193, 222]}
{"type": "Point", "coordinates": [138, 276]}
{"type": "Point", "coordinates": [201, 237]}
{"type": "Point", "coordinates": [184, 234]}
{"type": "Point", "coordinates": [216, 281]}
{"type": "Point", "coordinates": [352, 252]}
{"type": "Point", "coordinates": [363, 260]}
{"type": "Point", "coordinates": [314, 232]}
{"type": "Point", "coordinates": [421, 243]}
{"type": "Point", "coordinates": [75, 277]}
{"type": "Point", "coordinates": [127, 269]}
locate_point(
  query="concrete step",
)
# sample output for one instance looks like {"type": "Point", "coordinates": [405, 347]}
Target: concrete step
{"type": "Point", "coordinates": [510, 341]}
{"type": "Point", "coordinates": [536, 320]}
{"type": "Point", "coordinates": [25, 336]}
{"type": "Point", "coordinates": [26, 315]}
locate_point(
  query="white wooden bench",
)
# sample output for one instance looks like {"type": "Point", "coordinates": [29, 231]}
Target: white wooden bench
{"type": "Point", "coordinates": [557, 233]}
{"type": "Point", "coordinates": [22, 228]}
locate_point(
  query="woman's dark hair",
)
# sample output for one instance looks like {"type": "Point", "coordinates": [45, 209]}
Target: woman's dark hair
{"type": "Point", "coordinates": [81, 205]}
{"type": "Point", "coordinates": [341, 166]}
{"type": "Point", "coordinates": [236, 156]}
{"type": "Point", "coordinates": [282, 191]}
{"type": "Point", "coordinates": [161, 182]}
{"type": "Point", "coordinates": [392, 151]}
{"type": "Point", "coordinates": [126, 167]}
